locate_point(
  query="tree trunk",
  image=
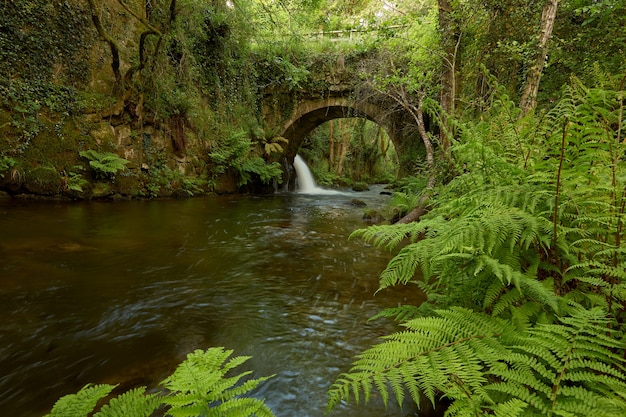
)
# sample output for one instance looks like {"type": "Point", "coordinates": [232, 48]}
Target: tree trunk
{"type": "Point", "coordinates": [331, 150]}
{"type": "Point", "coordinates": [531, 88]}
{"type": "Point", "coordinates": [449, 42]}
{"type": "Point", "coordinates": [422, 203]}
{"type": "Point", "coordinates": [343, 146]}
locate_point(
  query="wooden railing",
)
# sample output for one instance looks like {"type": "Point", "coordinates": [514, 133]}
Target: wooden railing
{"type": "Point", "coordinates": [349, 34]}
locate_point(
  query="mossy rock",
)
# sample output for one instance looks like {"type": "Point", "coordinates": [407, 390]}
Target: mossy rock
{"type": "Point", "coordinates": [360, 186]}
{"type": "Point", "coordinates": [129, 185]}
{"type": "Point", "coordinates": [373, 217]}
{"type": "Point", "coordinates": [102, 190]}
{"type": "Point", "coordinates": [43, 180]}
{"type": "Point", "coordinates": [55, 145]}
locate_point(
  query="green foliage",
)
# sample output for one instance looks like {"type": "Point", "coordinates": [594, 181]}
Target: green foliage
{"type": "Point", "coordinates": [135, 403]}
{"type": "Point", "coordinates": [43, 39]}
{"type": "Point", "coordinates": [82, 403]}
{"type": "Point", "coordinates": [75, 181]}
{"type": "Point", "coordinates": [31, 102]}
{"type": "Point", "coordinates": [198, 387]}
{"type": "Point", "coordinates": [236, 152]}
{"type": "Point", "coordinates": [105, 164]}
{"type": "Point", "coordinates": [528, 241]}
{"type": "Point", "coordinates": [482, 365]}
{"type": "Point", "coordinates": [6, 163]}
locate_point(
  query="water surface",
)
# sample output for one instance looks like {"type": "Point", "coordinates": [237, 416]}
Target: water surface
{"type": "Point", "coordinates": [120, 292]}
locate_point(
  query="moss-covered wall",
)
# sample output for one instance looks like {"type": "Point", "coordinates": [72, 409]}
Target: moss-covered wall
{"type": "Point", "coordinates": [155, 85]}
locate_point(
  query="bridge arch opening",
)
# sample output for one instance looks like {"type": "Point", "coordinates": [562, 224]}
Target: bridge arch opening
{"type": "Point", "coordinates": [353, 148]}
{"type": "Point", "coordinates": [311, 115]}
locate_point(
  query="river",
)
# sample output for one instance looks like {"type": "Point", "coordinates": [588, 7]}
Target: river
{"type": "Point", "coordinates": [120, 291]}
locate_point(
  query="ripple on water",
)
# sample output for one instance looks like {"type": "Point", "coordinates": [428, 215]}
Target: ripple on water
{"type": "Point", "coordinates": [275, 278]}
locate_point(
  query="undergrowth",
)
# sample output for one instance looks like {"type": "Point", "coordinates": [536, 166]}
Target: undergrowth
{"type": "Point", "coordinates": [521, 258]}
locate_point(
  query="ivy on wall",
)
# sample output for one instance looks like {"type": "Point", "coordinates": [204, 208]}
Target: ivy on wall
{"type": "Point", "coordinates": [44, 40]}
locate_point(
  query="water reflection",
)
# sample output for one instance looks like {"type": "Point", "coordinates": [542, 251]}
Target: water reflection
{"type": "Point", "coordinates": [121, 292]}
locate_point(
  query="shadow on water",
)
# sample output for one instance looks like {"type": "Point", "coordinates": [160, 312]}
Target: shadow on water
{"type": "Point", "coordinates": [121, 292]}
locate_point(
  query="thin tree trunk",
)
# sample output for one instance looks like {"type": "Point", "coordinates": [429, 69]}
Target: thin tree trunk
{"type": "Point", "coordinates": [450, 43]}
{"type": "Point", "coordinates": [331, 150]}
{"type": "Point", "coordinates": [343, 147]}
{"type": "Point", "coordinates": [422, 203]}
{"type": "Point", "coordinates": [531, 88]}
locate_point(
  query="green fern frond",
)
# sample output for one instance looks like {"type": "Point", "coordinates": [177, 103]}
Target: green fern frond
{"type": "Point", "coordinates": [431, 356]}
{"type": "Point", "coordinates": [82, 403]}
{"type": "Point", "coordinates": [200, 382]}
{"type": "Point", "coordinates": [241, 407]}
{"type": "Point", "coordinates": [568, 368]}
{"type": "Point", "coordinates": [481, 363]}
{"type": "Point", "coordinates": [388, 236]}
{"type": "Point", "coordinates": [399, 314]}
{"type": "Point", "coordinates": [511, 408]}
{"type": "Point", "coordinates": [541, 292]}
{"type": "Point", "coordinates": [135, 403]}
{"type": "Point", "coordinates": [402, 267]}
{"type": "Point", "coordinates": [198, 387]}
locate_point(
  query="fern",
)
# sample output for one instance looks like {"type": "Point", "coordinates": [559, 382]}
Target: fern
{"type": "Point", "coordinates": [82, 403]}
{"type": "Point", "coordinates": [485, 366]}
{"type": "Point", "coordinates": [236, 152]}
{"type": "Point", "coordinates": [568, 368]}
{"type": "Point", "coordinates": [444, 353]}
{"type": "Point", "coordinates": [135, 403]}
{"type": "Point", "coordinates": [105, 164]}
{"type": "Point", "coordinates": [198, 387]}
{"type": "Point", "coordinates": [526, 244]}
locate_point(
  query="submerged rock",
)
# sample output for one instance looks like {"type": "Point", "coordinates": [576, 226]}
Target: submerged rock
{"type": "Point", "coordinates": [360, 186]}
{"type": "Point", "coordinates": [358, 203]}
{"type": "Point", "coordinates": [373, 217]}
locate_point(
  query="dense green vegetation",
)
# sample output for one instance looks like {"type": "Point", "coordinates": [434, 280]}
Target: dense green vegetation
{"type": "Point", "coordinates": [516, 236]}
{"type": "Point", "coordinates": [518, 245]}
{"type": "Point", "coordinates": [521, 257]}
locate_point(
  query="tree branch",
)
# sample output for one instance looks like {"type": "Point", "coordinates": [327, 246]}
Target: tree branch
{"type": "Point", "coordinates": [115, 61]}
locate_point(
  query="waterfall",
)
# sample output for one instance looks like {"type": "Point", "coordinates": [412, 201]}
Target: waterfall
{"type": "Point", "coordinates": [306, 183]}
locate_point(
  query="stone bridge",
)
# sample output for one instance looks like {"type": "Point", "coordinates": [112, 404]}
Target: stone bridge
{"type": "Point", "coordinates": [294, 113]}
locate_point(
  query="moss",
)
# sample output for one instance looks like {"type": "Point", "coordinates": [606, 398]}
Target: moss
{"type": "Point", "coordinates": [129, 185]}
{"type": "Point", "coordinates": [5, 119]}
{"type": "Point", "coordinates": [56, 145]}
{"type": "Point", "coordinates": [43, 180]}
{"type": "Point", "coordinates": [102, 190]}
{"type": "Point", "coordinates": [360, 186]}
{"type": "Point", "coordinates": [372, 216]}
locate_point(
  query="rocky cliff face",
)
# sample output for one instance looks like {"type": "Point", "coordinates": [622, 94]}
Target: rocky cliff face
{"type": "Point", "coordinates": [120, 78]}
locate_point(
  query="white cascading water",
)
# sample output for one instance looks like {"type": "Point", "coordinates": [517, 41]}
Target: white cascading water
{"type": "Point", "coordinates": [306, 183]}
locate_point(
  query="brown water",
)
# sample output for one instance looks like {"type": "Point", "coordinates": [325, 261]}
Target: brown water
{"type": "Point", "coordinates": [120, 292]}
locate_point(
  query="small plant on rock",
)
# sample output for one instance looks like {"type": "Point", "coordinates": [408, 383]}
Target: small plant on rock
{"type": "Point", "coordinates": [105, 164]}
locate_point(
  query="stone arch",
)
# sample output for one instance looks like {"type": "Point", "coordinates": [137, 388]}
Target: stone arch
{"type": "Point", "coordinates": [311, 113]}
